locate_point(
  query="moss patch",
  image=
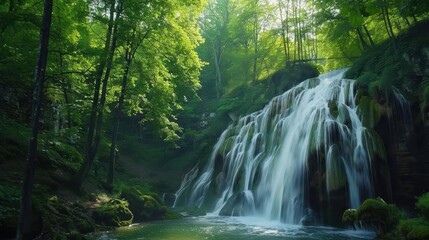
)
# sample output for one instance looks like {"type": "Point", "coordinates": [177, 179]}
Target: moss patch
{"type": "Point", "coordinates": [144, 205]}
{"type": "Point", "coordinates": [114, 213]}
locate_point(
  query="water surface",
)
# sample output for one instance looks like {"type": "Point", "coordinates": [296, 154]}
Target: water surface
{"type": "Point", "coordinates": [225, 228]}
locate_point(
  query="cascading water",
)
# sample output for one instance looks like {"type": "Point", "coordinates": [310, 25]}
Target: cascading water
{"type": "Point", "coordinates": [265, 164]}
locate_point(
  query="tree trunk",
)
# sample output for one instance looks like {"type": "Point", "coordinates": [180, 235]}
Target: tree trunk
{"type": "Point", "coordinates": [23, 231]}
{"type": "Point", "coordinates": [283, 32]}
{"type": "Point", "coordinates": [87, 162]}
{"type": "Point", "coordinates": [297, 57]}
{"type": "Point", "coordinates": [368, 35]}
{"type": "Point", "coordinates": [118, 111]}
{"type": "Point", "coordinates": [255, 44]}
{"type": "Point", "coordinates": [66, 99]}
{"type": "Point", "coordinates": [287, 31]}
{"type": "Point", "coordinates": [217, 67]}
{"type": "Point", "coordinates": [104, 87]}
{"type": "Point", "coordinates": [388, 24]}
{"type": "Point", "coordinates": [361, 39]}
{"type": "Point", "coordinates": [130, 52]}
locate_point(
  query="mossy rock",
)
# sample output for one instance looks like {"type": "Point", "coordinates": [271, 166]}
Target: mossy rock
{"type": "Point", "coordinates": [378, 214]}
{"type": "Point", "coordinates": [415, 229]}
{"type": "Point", "coordinates": [349, 216]}
{"type": "Point", "coordinates": [114, 213]}
{"type": "Point", "coordinates": [145, 206]}
{"type": "Point", "coordinates": [172, 215]}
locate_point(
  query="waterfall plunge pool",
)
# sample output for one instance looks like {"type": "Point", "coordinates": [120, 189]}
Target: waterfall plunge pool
{"type": "Point", "coordinates": [228, 228]}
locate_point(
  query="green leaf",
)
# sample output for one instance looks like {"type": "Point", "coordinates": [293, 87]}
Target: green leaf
{"type": "Point", "coordinates": [355, 19]}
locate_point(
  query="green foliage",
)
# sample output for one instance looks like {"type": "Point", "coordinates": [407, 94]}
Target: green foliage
{"type": "Point", "coordinates": [114, 213]}
{"type": "Point", "coordinates": [366, 78]}
{"type": "Point", "coordinates": [13, 140]}
{"type": "Point", "coordinates": [384, 66]}
{"type": "Point", "coordinates": [415, 229]}
{"type": "Point", "coordinates": [56, 152]}
{"type": "Point", "coordinates": [423, 205]}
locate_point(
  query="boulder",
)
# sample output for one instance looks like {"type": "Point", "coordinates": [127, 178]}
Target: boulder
{"type": "Point", "coordinates": [114, 213]}
{"type": "Point", "coordinates": [144, 206]}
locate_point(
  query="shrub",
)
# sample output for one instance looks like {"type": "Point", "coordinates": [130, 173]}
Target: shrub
{"type": "Point", "coordinates": [423, 205]}
{"type": "Point", "coordinates": [415, 229]}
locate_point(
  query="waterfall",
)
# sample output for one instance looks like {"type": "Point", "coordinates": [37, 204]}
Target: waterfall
{"type": "Point", "coordinates": [267, 163]}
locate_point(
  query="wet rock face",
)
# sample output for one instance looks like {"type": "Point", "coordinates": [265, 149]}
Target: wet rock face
{"type": "Point", "coordinates": [408, 149]}
{"type": "Point", "coordinates": [410, 166]}
{"type": "Point", "coordinates": [238, 205]}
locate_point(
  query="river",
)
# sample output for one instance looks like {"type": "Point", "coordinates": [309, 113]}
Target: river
{"type": "Point", "coordinates": [225, 228]}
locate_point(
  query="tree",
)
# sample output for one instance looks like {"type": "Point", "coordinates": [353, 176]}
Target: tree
{"type": "Point", "coordinates": [90, 146]}
{"type": "Point", "coordinates": [214, 25]}
{"type": "Point", "coordinates": [160, 66]}
{"type": "Point", "coordinates": [42, 58]}
{"type": "Point", "coordinates": [133, 43]}
{"type": "Point", "coordinates": [284, 28]}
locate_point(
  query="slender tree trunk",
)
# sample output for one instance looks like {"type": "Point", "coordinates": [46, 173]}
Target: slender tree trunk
{"type": "Point", "coordinates": [297, 47]}
{"type": "Point", "coordinates": [298, 31]}
{"type": "Point", "coordinates": [362, 40]}
{"type": "Point", "coordinates": [87, 162]}
{"type": "Point", "coordinates": [388, 24]}
{"type": "Point", "coordinates": [118, 111]}
{"type": "Point", "coordinates": [283, 32]}
{"type": "Point", "coordinates": [66, 99]}
{"type": "Point", "coordinates": [23, 231]}
{"type": "Point", "coordinates": [368, 35]}
{"type": "Point", "coordinates": [407, 21]}
{"type": "Point", "coordinates": [255, 44]}
{"type": "Point", "coordinates": [287, 31]}
{"type": "Point", "coordinates": [217, 68]}
{"type": "Point", "coordinates": [129, 56]}
{"type": "Point", "coordinates": [104, 87]}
